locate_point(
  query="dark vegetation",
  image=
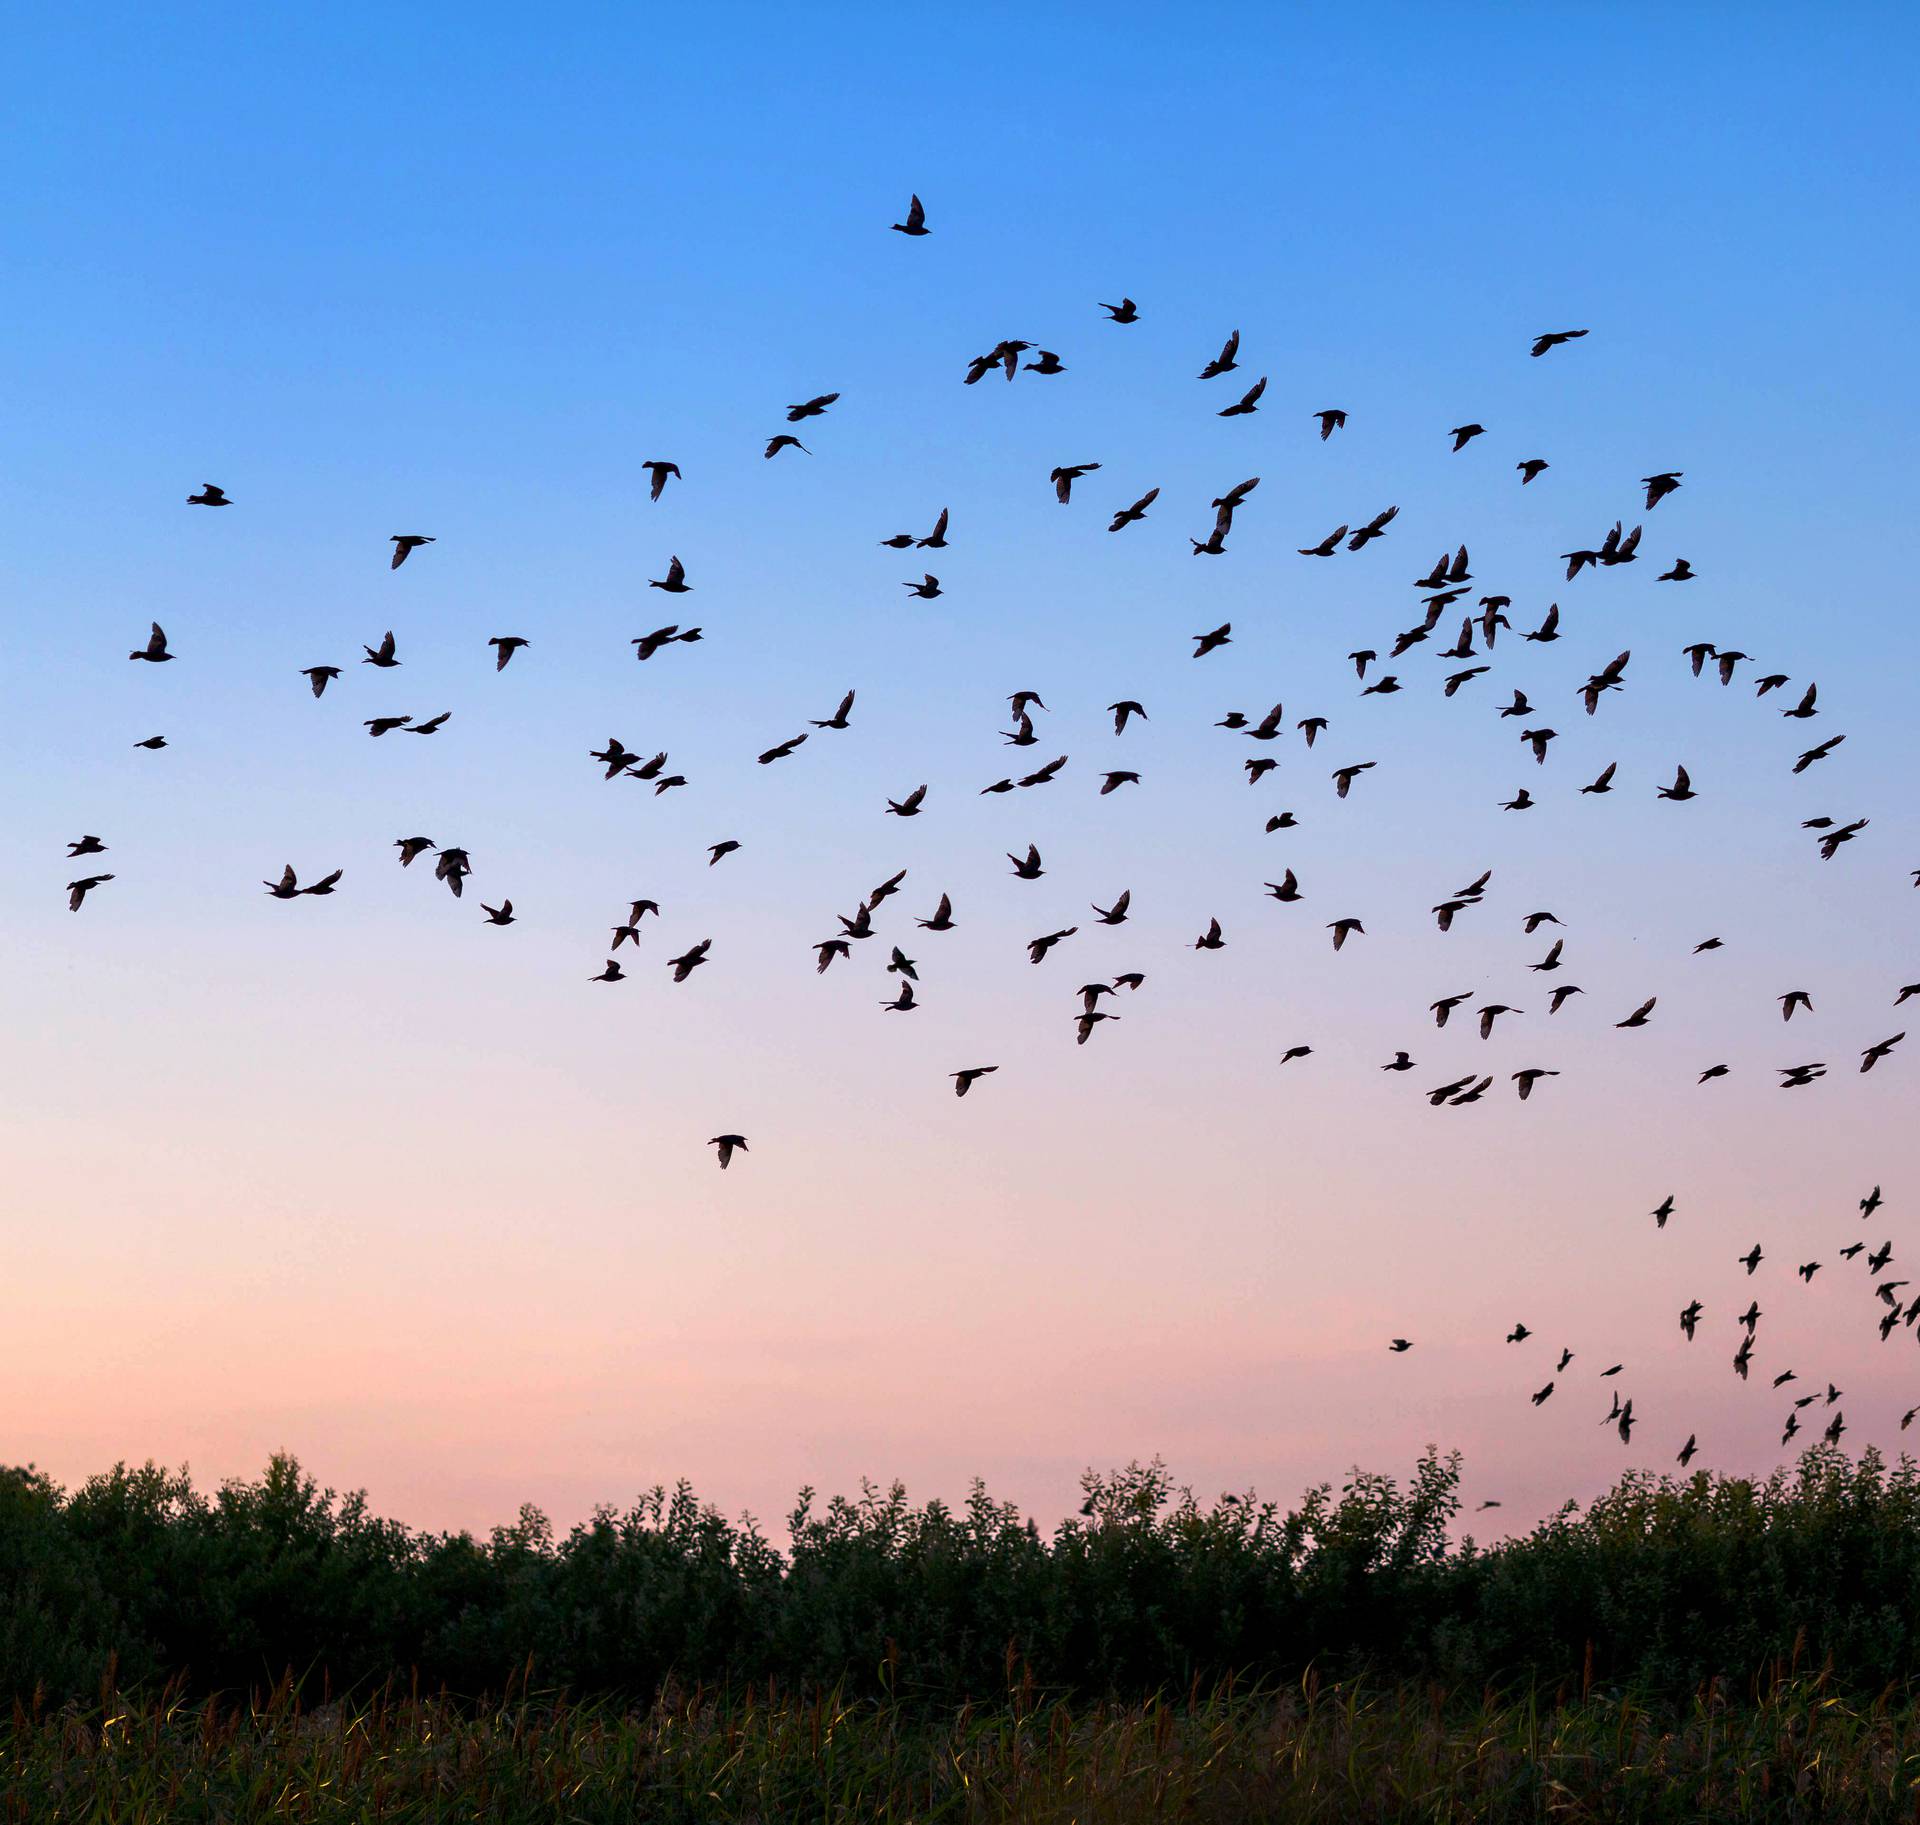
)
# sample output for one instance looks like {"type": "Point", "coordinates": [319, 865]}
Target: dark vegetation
{"type": "Point", "coordinates": [1657, 1588]}
{"type": "Point", "coordinates": [1332, 1754]}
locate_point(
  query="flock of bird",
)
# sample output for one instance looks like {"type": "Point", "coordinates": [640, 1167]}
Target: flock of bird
{"type": "Point", "coordinates": [1445, 585]}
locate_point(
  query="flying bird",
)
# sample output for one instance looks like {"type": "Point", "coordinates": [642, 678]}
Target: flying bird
{"type": "Point", "coordinates": [1552, 339]}
{"type": "Point", "coordinates": [1037, 948]}
{"type": "Point", "coordinates": [1248, 402]}
{"type": "Point", "coordinates": [155, 651]}
{"type": "Point", "coordinates": [838, 720]}
{"type": "Point", "coordinates": [1874, 1053]}
{"type": "Point", "coordinates": [688, 961]}
{"type": "Point", "coordinates": [1224, 362]}
{"type": "Point", "coordinates": [1063, 478]}
{"type": "Point", "coordinates": [1375, 528]}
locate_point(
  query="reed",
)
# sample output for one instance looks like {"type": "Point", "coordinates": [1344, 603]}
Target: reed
{"type": "Point", "coordinates": [1795, 1749]}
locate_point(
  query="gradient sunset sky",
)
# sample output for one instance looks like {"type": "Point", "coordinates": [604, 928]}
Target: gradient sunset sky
{"type": "Point", "coordinates": [366, 1179]}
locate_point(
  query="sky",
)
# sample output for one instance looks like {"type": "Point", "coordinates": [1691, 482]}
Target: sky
{"type": "Point", "coordinates": [367, 1179]}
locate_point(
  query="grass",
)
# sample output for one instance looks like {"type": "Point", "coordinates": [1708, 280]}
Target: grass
{"type": "Point", "coordinates": [1313, 1752]}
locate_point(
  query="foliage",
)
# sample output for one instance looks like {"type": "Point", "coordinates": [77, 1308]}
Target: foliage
{"type": "Point", "coordinates": [1658, 1587]}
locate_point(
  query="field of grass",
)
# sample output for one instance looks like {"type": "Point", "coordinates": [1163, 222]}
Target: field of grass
{"type": "Point", "coordinates": [1338, 1752]}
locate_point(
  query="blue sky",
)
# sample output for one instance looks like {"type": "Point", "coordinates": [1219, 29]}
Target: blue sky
{"type": "Point", "coordinates": [460, 271]}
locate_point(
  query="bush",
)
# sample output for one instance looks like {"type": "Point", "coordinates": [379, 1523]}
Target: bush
{"type": "Point", "coordinates": [1659, 1585]}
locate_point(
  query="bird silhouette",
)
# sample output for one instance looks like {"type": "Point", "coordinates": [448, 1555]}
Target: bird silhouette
{"type": "Point", "coordinates": [688, 961]}
{"type": "Point", "coordinates": [1064, 477]}
{"type": "Point", "coordinates": [1553, 339]}
{"type": "Point", "coordinates": [838, 720]}
{"type": "Point", "coordinates": [1248, 402]}
{"type": "Point", "coordinates": [1224, 362]}
{"type": "Point", "coordinates": [155, 651]}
